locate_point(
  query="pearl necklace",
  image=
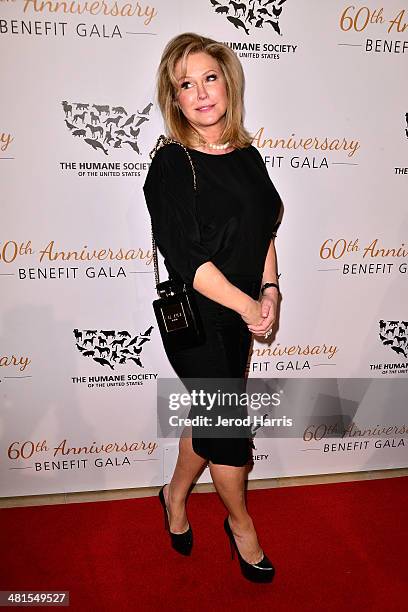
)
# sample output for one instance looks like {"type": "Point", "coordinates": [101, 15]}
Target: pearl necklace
{"type": "Point", "coordinates": [211, 145]}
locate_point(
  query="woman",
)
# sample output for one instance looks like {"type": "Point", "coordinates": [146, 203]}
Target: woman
{"type": "Point", "coordinates": [218, 239]}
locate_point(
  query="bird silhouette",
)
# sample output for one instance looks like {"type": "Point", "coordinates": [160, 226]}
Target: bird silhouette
{"type": "Point", "coordinates": [146, 109]}
{"type": "Point", "coordinates": [129, 121]}
{"type": "Point", "coordinates": [141, 120]}
{"type": "Point", "coordinates": [70, 125]}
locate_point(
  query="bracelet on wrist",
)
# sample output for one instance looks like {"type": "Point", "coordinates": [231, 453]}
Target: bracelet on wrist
{"type": "Point", "coordinates": [266, 285]}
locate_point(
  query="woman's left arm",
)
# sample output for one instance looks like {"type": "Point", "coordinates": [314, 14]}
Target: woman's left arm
{"type": "Point", "coordinates": [269, 299]}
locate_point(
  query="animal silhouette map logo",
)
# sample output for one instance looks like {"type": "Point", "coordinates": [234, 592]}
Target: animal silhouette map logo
{"type": "Point", "coordinates": [251, 14]}
{"type": "Point", "coordinates": [110, 348]}
{"type": "Point", "coordinates": [103, 127]}
{"type": "Point", "coordinates": [394, 335]}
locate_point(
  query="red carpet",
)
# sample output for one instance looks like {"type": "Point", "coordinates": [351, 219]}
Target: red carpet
{"type": "Point", "coordinates": [335, 547]}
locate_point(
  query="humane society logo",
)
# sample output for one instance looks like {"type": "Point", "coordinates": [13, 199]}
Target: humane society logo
{"type": "Point", "coordinates": [251, 14]}
{"type": "Point", "coordinates": [110, 348]}
{"type": "Point", "coordinates": [104, 127]}
{"type": "Point", "coordinates": [251, 18]}
{"type": "Point", "coordinates": [403, 169]}
{"type": "Point", "coordinates": [393, 335]}
{"type": "Point", "coordinates": [107, 129]}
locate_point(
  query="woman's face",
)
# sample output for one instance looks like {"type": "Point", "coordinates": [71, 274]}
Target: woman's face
{"type": "Point", "coordinates": [201, 92]}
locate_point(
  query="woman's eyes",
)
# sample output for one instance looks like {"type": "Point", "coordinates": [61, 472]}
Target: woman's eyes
{"type": "Point", "coordinates": [209, 76]}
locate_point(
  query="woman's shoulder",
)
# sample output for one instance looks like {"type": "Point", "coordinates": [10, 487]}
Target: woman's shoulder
{"type": "Point", "coordinates": [252, 150]}
{"type": "Point", "coordinates": [170, 157]}
{"type": "Point", "coordinates": [169, 152]}
{"type": "Point", "coordinates": [256, 155]}
{"type": "Point", "coordinates": [170, 165]}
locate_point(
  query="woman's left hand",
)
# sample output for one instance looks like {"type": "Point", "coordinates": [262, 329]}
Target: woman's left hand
{"type": "Point", "coordinates": [268, 311]}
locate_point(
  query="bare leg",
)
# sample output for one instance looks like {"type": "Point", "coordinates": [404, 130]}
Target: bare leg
{"type": "Point", "coordinates": [229, 482]}
{"type": "Point", "coordinates": [187, 467]}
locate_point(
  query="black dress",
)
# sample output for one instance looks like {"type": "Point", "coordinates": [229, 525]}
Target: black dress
{"type": "Point", "coordinates": [229, 220]}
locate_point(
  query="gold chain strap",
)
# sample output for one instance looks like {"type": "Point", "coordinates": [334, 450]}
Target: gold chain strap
{"type": "Point", "coordinates": [161, 141]}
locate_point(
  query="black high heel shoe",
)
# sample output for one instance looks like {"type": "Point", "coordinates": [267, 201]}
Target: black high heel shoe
{"type": "Point", "coordinates": [263, 571]}
{"type": "Point", "coordinates": [181, 542]}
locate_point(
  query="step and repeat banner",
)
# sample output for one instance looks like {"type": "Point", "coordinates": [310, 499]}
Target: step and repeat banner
{"type": "Point", "coordinates": [326, 101]}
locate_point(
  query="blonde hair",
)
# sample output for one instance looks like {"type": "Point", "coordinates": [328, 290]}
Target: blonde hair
{"type": "Point", "coordinates": [178, 127]}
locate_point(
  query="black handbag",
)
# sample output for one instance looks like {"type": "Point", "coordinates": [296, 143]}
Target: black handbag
{"type": "Point", "coordinates": [176, 311]}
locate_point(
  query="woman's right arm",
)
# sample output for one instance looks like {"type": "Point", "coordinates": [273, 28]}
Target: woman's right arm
{"type": "Point", "coordinates": [211, 282]}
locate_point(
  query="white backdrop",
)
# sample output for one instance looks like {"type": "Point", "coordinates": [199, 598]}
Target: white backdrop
{"type": "Point", "coordinates": [80, 354]}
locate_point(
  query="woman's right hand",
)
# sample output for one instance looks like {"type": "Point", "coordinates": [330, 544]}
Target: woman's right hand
{"type": "Point", "coordinates": [253, 312]}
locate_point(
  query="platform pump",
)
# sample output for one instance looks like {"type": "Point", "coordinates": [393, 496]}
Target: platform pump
{"type": "Point", "coordinates": [263, 571]}
{"type": "Point", "coordinates": [181, 542]}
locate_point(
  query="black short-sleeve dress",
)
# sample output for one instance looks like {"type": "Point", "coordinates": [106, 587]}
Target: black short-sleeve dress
{"type": "Point", "coordinates": [229, 220]}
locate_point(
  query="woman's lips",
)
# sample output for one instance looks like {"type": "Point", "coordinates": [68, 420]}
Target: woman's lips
{"type": "Point", "coordinates": [204, 109]}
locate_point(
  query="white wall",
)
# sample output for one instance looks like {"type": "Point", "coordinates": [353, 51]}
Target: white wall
{"type": "Point", "coordinates": [347, 184]}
